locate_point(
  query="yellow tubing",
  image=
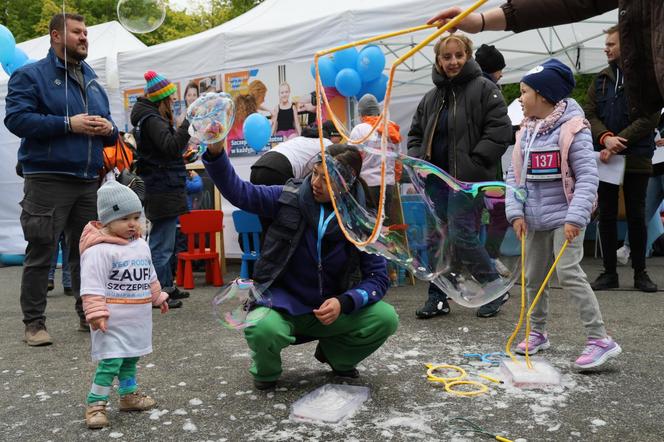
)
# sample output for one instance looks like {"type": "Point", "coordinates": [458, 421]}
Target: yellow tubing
{"type": "Point", "coordinates": [450, 383]}
{"type": "Point", "coordinates": [508, 347]}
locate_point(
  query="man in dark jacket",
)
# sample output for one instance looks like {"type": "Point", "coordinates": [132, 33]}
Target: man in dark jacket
{"type": "Point", "coordinates": [305, 266]}
{"type": "Point", "coordinates": [641, 36]}
{"type": "Point", "coordinates": [614, 134]}
{"type": "Point", "coordinates": [62, 115]}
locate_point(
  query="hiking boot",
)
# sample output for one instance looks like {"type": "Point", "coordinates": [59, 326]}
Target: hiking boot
{"type": "Point", "coordinates": [536, 341]}
{"type": "Point", "coordinates": [492, 308]}
{"type": "Point", "coordinates": [176, 293]}
{"type": "Point", "coordinates": [95, 415]}
{"type": "Point", "coordinates": [436, 304]}
{"type": "Point", "coordinates": [643, 282]}
{"type": "Point", "coordinates": [69, 291]}
{"type": "Point", "coordinates": [83, 326]}
{"type": "Point", "coordinates": [622, 255]}
{"type": "Point", "coordinates": [264, 385]}
{"type": "Point", "coordinates": [50, 286]}
{"type": "Point", "coordinates": [605, 281]}
{"type": "Point", "coordinates": [597, 352]}
{"type": "Point", "coordinates": [36, 334]}
{"type": "Point", "coordinates": [136, 402]}
{"type": "Point", "coordinates": [320, 357]}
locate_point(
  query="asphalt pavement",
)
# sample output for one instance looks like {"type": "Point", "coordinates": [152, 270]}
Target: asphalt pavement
{"type": "Point", "coordinates": [198, 375]}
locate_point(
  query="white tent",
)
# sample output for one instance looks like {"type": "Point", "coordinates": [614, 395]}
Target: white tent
{"type": "Point", "coordinates": [282, 32]}
{"type": "Point", "coordinates": [105, 41]}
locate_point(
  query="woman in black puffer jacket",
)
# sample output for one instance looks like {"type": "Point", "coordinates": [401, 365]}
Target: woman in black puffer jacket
{"type": "Point", "coordinates": [461, 126]}
{"type": "Point", "coordinates": [161, 166]}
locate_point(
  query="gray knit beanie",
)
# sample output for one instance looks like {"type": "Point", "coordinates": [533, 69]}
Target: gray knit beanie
{"type": "Point", "coordinates": [115, 201]}
{"type": "Point", "coordinates": [368, 106]}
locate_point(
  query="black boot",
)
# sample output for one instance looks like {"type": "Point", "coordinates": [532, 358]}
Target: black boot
{"type": "Point", "coordinates": [643, 282]}
{"type": "Point", "coordinates": [436, 304]}
{"type": "Point", "coordinates": [320, 357]}
{"type": "Point", "coordinates": [492, 308]}
{"type": "Point", "coordinates": [607, 280]}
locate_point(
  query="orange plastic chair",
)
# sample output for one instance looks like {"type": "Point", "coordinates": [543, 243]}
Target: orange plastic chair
{"type": "Point", "coordinates": [201, 227]}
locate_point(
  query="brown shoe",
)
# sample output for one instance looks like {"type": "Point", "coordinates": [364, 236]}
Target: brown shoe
{"type": "Point", "coordinates": [36, 334]}
{"type": "Point", "coordinates": [136, 402]}
{"type": "Point", "coordinates": [83, 326]}
{"type": "Point", "coordinates": [95, 415]}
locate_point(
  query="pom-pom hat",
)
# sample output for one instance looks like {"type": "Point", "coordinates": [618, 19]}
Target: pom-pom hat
{"type": "Point", "coordinates": [157, 87]}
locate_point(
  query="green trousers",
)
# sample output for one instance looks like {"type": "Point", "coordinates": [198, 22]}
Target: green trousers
{"type": "Point", "coordinates": [107, 370]}
{"type": "Point", "coordinates": [345, 342]}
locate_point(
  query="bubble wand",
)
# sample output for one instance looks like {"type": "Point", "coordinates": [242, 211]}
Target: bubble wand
{"type": "Point", "coordinates": [383, 117]}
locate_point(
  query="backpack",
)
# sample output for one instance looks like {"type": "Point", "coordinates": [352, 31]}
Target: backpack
{"type": "Point", "coordinates": [119, 159]}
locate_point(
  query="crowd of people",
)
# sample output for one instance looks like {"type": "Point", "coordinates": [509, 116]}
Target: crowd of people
{"type": "Point", "coordinates": [321, 286]}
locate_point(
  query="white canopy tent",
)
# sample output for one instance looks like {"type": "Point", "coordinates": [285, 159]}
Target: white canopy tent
{"type": "Point", "coordinates": [283, 32]}
{"type": "Point", "coordinates": [105, 41]}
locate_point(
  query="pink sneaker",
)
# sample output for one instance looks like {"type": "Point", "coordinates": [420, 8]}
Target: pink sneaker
{"type": "Point", "coordinates": [597, 352]}
{"type": "Point", "coordinates": [536, 341]}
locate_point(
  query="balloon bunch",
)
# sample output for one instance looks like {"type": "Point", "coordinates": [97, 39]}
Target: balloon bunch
{"type": "Point", "coordinates": [354, 73]}
{"type": "Point", "coordinates": [11, 56]}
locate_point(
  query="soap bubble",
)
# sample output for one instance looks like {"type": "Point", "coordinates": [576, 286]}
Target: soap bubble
{"type": "Point", "coordinates": [211, 117]}
{"type": "Point", "coordinates": [194, 150]}
{"type": "Point", "coordinates": [448, 232]}
{"type": "Point", "coordinates": [235, 305]}
{"type": "Point", "coordinates": [141, 16]}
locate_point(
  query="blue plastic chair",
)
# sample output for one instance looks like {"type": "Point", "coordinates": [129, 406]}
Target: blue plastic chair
{"type": "Point", "coordinates": [249, 227]}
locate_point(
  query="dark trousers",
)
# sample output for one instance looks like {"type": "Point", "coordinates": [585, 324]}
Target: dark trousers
{"type": "Point", "coordinates": [634, 192]}
{"type": "Point", "coordinates": [52, 204]}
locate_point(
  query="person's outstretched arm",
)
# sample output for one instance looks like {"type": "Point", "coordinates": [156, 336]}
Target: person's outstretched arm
{"type": "Point", "coordinates": [258, 199]}
{"type": "Point", "coordinates": [522, 15]}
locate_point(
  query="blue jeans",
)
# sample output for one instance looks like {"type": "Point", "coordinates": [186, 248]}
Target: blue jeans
{"type": "Point", "coordinates": [654, 197]}
{"type": "Point", "coordinates": [162, 243]}
{"type": "Point", "coordinates": [66, 273]}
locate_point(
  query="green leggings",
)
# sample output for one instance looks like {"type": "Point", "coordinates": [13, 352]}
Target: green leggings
{"type": "Point", "coordinates": [107, 370]}
{"type": "Point", "coordinates": [345, 342]}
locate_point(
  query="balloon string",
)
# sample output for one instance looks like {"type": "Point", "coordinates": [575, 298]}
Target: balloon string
{"type": "Point", "coordinates": [64, 20]}
{"type": "Point", "coordinates": [320, 93]}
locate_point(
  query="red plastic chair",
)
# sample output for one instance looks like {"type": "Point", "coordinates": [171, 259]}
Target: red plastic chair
{"type": "Point", "coordinates": [201, 227]}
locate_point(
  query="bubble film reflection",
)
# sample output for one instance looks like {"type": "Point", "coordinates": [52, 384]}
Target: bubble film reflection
{"type": "Point", "coordinates": [235, 305]}
{"type": "Point", "coordinates": [211, 117]}
{"type": "Point", "coordinates": [438, 228]}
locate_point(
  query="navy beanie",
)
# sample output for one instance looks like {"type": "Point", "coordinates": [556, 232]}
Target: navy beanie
{"type": "Point", "coordinates": [552, 80]}
{"type": "Point", "coordinates": [490, 59]}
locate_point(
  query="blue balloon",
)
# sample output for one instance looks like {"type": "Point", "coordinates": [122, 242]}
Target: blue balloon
{"type": "Point", "coordinates": [370, 63]}
{"type": "Point", "coordinates": [348, 82]}
{"type": "Point", "coordinates": [377, 87]}
{"type": "Point", "coordinates": [7, 45]}
{"type": "Point", "coordinates": [328, 72]}
{"type": "Point", "coordinates": [345, 59]}
{"type": "Point", "coordinates": [20, 58]}
{"type": "Point", "coordinates": [257, 131]}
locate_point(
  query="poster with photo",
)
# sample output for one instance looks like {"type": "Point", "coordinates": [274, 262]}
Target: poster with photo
{"type": "Point", "coordinates": [253, 90]}
{"type": "Point", "coordinates": [191, 90]}
{"type": "Point", "coordinates": [130, 97]}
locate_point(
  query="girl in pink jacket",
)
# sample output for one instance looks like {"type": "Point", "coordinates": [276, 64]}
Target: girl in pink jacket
{"type": "Point", "coordinates": [118, 286]}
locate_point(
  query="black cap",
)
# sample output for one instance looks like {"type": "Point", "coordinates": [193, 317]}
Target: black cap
{"type": "Point", "coordinates": [328, 126]}
{"type": "Point", "coordinates": [490, 59]}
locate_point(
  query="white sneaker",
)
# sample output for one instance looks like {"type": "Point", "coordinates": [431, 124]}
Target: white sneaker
{"type": "Point", "coordinates": [622, 255]}
{"type": "Point", "coordinates": [502, 268]}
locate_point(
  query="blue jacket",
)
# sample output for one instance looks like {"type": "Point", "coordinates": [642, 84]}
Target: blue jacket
{"type": "Point", "coordinates": [297, 290]}
{"type": "Point", "coordinates": [36, 112]}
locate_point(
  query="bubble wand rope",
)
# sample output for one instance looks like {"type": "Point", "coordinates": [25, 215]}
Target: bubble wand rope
{"type": "Point", "coordinates": [536, 299]}
{"type": "Point", "coordinates": [388, 95]}
{"type": "Point", "coordinates": [510, 341]}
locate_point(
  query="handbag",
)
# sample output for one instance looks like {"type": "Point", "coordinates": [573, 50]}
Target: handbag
{"type": "Point", "coordinates": [129, 178]}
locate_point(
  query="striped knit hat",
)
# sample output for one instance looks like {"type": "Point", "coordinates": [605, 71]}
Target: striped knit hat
{"type": "Point", "coordinates": [158, 87]}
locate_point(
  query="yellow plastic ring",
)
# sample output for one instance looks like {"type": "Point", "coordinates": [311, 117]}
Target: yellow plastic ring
{"type": "Point", "coordinates": [481, 388]}
{"type": "Point", "coordinates": [434, 378]}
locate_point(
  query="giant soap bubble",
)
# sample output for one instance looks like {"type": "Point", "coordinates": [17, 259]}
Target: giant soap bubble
{"type": "Point", "coordinates": [235, 305]}
{"type": "Point", "coordinates": [211, 117]}
{"type": "Point", "coordinates": [141, 16]}
{"type": "Point", "coordinates": [448, 232]}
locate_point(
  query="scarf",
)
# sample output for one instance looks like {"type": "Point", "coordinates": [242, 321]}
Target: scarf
{"type": "Point", "coordinates": [392, 128]}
